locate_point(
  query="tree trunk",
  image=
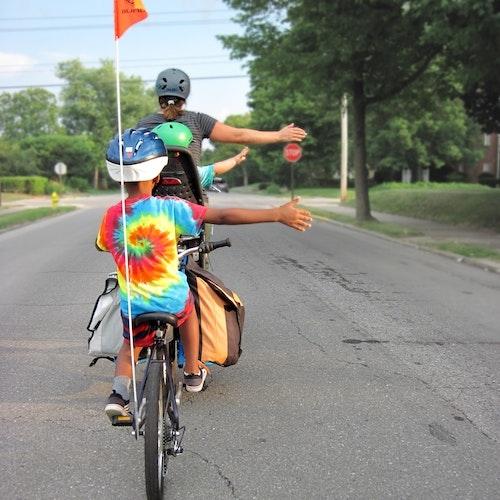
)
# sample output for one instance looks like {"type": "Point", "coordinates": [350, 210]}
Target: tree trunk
{"type": "Point", "coordinates": [360, 171]}
{"type": "Point", "coordinates": [96, 178]}
{"type": "Point", "coordinates": [245, 175]}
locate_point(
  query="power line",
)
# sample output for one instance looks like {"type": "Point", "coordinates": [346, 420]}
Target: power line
{"type": "Point", "coordinates": [93, 16]}
{"type": "Point", "coordinates": [129, 67]}
{"type": "Point", "coordinates": [193, 22]}
{"type": "Point", "coordinates": [47, 85]}
{"type": "Point", "coordinates": [164, 59]}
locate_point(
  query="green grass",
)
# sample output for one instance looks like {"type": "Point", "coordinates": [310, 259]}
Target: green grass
{"type": "Point", "coordinates": [426, 186]}
{"type": "Point", "coordinates": [30, 215]}
{"type": "Point", "coordinates": [468, 250]}
{"type": "Point", "coordinates": [473, 208]}
{"type": "Point", "coordinates": [386, 228]}
{"type": "Point", "coordinates": [323, 192]}
{"type": "Point", "coordinates": [456, 203]}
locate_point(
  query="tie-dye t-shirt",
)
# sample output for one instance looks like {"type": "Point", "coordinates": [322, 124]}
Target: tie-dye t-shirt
{"type": "Point", "coordinates": [153, 226]}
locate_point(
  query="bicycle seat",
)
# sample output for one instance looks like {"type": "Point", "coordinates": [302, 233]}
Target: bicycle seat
{"type": "Point", "coordinates": [180, 177]}
{"type": "Point", "coordinates": [156, 317]}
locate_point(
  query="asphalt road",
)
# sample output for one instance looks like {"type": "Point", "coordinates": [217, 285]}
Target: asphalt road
{"type": "Point", "coordinates": [369, 370]}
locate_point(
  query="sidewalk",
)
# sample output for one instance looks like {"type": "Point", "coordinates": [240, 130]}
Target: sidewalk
{"type": "Point", "coordinates": [9, 207]}
{"type": "Point", "coordinates": [432, 232]}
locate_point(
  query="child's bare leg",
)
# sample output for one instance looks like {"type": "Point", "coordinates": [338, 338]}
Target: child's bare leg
{"type": "Point", "coordinates": [190, 337]}
{"type": "Point", "coordinates": [123, 370]}
{"type": "Point", "coordinates": [123, 365]}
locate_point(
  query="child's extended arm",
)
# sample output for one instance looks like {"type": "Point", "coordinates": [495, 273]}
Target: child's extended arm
{"type": "Point", "coordinates": [221, 167]}
{"type": "Point", "coordinates": [287, 214]}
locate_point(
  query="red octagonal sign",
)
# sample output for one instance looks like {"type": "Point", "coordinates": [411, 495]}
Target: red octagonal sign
{"type": "Point", "coordinates": [292, 152]}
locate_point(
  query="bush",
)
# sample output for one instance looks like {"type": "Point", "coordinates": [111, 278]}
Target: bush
{"type": "Point", "coordinates": [487, 179]}
{"type": "Point", "coordinates": [386, 174]}
{"type": "Point", "coordinates": [53, 186]}
{"type": "Point", "coordinates": [33, 184]}
{"type": "Point", "coordinates": [273, 189]}
{"type": "Point", "coordinates": [456, 177]}
{"type": "Point", "coordinates": [79, 184]}
{"type": "Point", "coordinates": [36, 185]}
{"type": "Point", "coordinates": [263, 185]}
{"type": "Point", "coordinates": [327, 182]}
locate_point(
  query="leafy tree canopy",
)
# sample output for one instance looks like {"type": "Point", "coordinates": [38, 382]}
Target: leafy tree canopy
{"type": "Point", "coordinates": [89, 100]}
{"type": "Point", "coordinates": [78, 152]}
{"type": "Point", "coordinates": [29, 112]}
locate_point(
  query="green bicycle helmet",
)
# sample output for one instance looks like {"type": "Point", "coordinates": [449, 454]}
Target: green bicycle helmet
{"type": "Point", "coordinates": [174, 134]}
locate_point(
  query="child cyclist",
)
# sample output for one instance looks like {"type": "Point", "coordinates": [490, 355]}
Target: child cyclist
{"type": "Point", "coordinates": [153, 226]}
{"type": "Point", "coordinates": [177, 134]}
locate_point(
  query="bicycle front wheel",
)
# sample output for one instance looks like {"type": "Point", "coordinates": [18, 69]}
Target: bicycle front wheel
{"type": "Point", "coordinates": [157, 431]}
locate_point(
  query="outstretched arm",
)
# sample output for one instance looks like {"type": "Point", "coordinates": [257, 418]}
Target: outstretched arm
{"type": "Point", "coordinates": [224, 133]}
{"type": "Point", "coordinates": [221, 167]}
{"type": "Point", "coordinates": [288, 214]}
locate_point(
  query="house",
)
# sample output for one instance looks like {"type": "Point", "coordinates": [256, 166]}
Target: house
{"type": "Point", "coordinates": [490, 162]}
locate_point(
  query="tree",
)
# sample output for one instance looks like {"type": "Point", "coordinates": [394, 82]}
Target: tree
{"type": "Point", "coordinates": [482, 102]}
{"type": "Point", "coordinates": [89, 101]}
{"type": "Point", "coordinates": [29, 112]}
{"type": "Point", "coordinates": [14, 160]}
{"type": "Point", "coordinates": [370, 49]}
{"type": "Point", "coordinates": [470, 33]}
{"type": "Point", "coordinates": [78, 152]}
{"type": "Point", "coordinates": [222, 151]}
{"type": "Point", "coordinates": [423, 128]}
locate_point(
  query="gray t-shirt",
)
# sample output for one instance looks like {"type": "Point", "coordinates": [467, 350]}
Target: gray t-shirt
{"type": "Point", "coordinates": [200, 124]}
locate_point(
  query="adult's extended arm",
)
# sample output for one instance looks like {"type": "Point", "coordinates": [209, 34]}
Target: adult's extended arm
{"type": "Point", "coordinates": [225, 133]}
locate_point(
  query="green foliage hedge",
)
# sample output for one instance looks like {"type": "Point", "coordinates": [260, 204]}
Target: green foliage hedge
{"type": "Point", "coordinates": [33, 184]}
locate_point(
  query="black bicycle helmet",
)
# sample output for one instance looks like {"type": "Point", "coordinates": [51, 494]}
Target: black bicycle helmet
{"type": "Point", "coordinates": [173, 82]}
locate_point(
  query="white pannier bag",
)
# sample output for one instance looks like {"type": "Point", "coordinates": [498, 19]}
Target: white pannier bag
{"type": "Point", "coordinates": [105, 323]}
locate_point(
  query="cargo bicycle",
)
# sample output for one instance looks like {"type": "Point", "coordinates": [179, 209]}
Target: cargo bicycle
{"type": "Point", "coordinates": [157, 414]}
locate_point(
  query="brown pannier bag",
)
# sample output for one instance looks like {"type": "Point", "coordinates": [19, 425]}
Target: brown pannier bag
{"type": "Point", "coordinates": [221, 315]}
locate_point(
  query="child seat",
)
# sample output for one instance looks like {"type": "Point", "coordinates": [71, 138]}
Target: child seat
{"type": "Point", "coordinates": [180, 177]}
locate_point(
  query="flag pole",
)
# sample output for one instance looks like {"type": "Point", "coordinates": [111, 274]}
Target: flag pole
{"type": "Point", "coordinates": [124, 222]}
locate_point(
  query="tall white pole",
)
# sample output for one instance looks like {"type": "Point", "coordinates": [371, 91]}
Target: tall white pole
{"type": "Point", "coordinates": [124, 221]}
{"type": "Point", "coordinates": [343, 148]}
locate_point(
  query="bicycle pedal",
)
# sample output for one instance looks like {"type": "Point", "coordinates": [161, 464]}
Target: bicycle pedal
{"type": "Point", "coordinates": [121, 420]}
{"type": "Point", "coordinates": [174, 453]}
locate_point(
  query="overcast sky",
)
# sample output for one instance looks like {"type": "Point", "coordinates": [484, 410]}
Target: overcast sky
{"type": "Point", "coordinates": [35, 35]}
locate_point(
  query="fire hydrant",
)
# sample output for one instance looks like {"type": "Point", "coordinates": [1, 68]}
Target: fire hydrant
{"type": "Point", "coordinates": [55, 199]}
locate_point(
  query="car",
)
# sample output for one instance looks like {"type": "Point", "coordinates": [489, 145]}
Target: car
{"type": "Point", "coordinates": [220, 185]}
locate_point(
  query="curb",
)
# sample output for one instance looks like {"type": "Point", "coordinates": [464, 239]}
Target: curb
{"type": "Point", "coordinates": [452, 256]}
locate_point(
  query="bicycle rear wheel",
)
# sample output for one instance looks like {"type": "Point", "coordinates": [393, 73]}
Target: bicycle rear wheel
{"type": "Point", "coordinates": [157, 431]}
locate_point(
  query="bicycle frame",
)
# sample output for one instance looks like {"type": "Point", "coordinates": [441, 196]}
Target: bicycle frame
{"type": "Point", "coordinates": [163, 351]}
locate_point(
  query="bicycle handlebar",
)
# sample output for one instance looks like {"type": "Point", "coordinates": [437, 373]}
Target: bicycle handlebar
{"type": "Point", "coordinates": [206, 247]}
{"type": "Point", "coordinates": [209, 246]}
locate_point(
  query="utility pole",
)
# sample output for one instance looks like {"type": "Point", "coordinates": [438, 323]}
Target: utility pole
{"type": "Point", "coordinates": [343, 148]}
{"type": "Point", "coordinates": [498, 157]}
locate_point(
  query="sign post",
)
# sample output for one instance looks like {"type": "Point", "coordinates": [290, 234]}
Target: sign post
{"type": "Point", "coordinates": [292, 153]}
{"type": "Point", "coordinates": [60, 169]}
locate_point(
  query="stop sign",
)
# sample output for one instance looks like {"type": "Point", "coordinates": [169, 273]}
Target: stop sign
{"type": "Point", "coordinates": [292, 152]}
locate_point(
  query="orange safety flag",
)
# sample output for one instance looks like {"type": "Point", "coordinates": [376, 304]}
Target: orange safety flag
{"type": "Point", "coordinates": [127, 13]}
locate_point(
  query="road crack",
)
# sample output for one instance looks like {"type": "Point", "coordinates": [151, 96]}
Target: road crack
{"type": "Point", "coordinates": [220, 473]}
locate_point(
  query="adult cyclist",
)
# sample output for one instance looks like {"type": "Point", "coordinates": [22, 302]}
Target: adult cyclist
{"type": "Point", "coordinates": [173, 87]}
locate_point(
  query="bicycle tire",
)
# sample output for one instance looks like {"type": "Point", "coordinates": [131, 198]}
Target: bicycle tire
{"type": "Point", "coordinates": [157, 432]}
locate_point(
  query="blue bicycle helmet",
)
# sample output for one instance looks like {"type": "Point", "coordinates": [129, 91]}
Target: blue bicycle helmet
{"type": "Point", "coordinates": [144, 156]}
